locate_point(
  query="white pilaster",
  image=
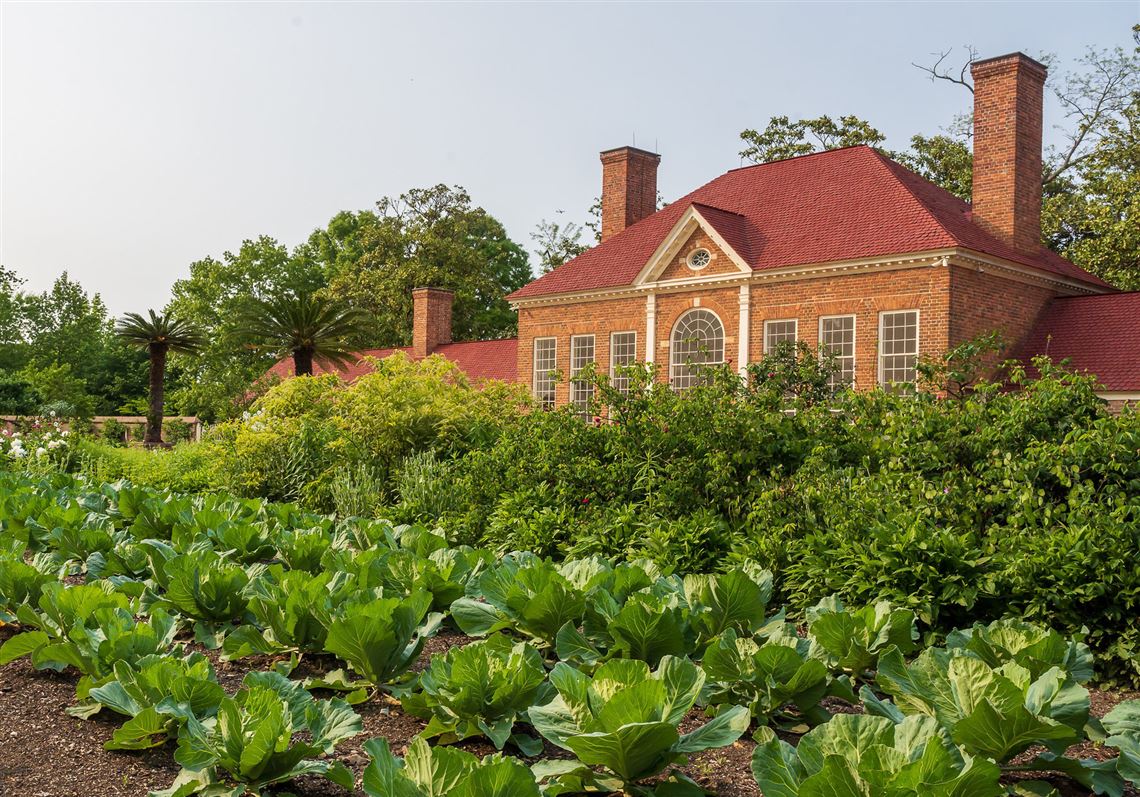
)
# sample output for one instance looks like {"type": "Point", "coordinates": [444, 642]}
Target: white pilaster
{"type": "Point", "coordinates": [650, 327]}
{"type": "Point", "coordinates": [745, 327]}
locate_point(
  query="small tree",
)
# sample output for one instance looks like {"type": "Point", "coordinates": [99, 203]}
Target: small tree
{"type": "Point", "coordinates": [309, 328]}
{"type": "Point", "coordinates": [158, 335]}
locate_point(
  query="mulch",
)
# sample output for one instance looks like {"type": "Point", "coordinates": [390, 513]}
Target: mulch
{"type": "Point", "coordinates": [46, 753]}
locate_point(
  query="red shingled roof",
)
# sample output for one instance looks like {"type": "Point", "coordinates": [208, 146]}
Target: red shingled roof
{"type": "Point", "coordinates": [838, 205]}
{"type": "Point", "coordinates": [1098, 334]}
{"type": "Point", "coordinates": [479, 359]}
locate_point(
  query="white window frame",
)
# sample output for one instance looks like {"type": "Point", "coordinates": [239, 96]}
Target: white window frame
{"type": "Point", "coordinates": [619, 381]}
{"type": "Point", "coordinates": [546, 375]}
{"type": "Point", "coordinates": [581, 393]}
{"type": "Point", "coordinates": [795, 322]}
{"type": "Point", "coordinates": [917, 344]}
{"type": "Point", "coordinates": [674, 377]}
{"type": "Point", "coordinates": [835, 378]}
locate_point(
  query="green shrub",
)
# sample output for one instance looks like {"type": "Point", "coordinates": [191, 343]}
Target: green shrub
{"type": "Point", "coordinates": [306, 435]}
{"type": "Point", "coordinates": [114, 432]}
{"type": "Point", "coordinates": [185, 468]}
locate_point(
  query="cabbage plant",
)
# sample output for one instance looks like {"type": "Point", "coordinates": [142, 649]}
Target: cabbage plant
{"type": "Point", "coordinates": [157, 693]}
{"type": "Point", "coordinates": [623, 721]}
{"type": "Point", "coordinates": [1031, 646]}
{"type": "Point", "coordinates": [851, 640]}
{"type": "Point", "coordinates": [768, 678]}
{"type": "Point", "coordinates": [861, 756]}
{"type": "Point", "coordinates": [1123, 726]}
{"type": "Point", "coordinates": [481, 689]}
{"type": "Point", "coordinates": [379, 639]}
{"type": "Point", "coordinates": [996, 712]}
{"type": "Point", "coordinates": [291, 610]}
{"type": "Point", "coordinates": [524, 594]}
{"type": "Point", "coordinates": [438, 771]}
{"type": "Point", "coordinates": [269, 732]}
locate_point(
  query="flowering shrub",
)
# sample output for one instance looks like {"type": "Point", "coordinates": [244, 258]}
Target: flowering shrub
{"type": "Point", "coordinates": [41, 440]}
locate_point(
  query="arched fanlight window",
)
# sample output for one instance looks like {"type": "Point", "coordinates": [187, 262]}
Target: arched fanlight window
{"type": "Point", "coordinates": [697, 340]}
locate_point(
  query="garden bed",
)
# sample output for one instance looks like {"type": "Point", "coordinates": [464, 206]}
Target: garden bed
{"type": "Point", "coordinates": [47, 753]}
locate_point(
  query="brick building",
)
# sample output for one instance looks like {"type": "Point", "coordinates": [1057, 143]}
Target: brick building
{"type": "Point", "coordinates": [844, 250]}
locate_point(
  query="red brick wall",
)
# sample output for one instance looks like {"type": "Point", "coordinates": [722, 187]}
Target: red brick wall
{"type": "Point", "coordinates": [865, 295]}
{"type": "Point", "coordinates": [982, 301]}
{"type": "Point", "coordinates": [1008, 93]}
{"type": "Point", "coordinates": [629, 188]}
{"type": "Point", "coordinates": [925, 289]}
{"type": "Point", "coordinates": [597, 318]}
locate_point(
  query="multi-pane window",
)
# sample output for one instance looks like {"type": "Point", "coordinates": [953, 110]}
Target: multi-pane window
{"type": "Point", "coordinates": [777, 332]}
{"type": "Point", "coordinates": [898, 347]}
{"type": "Point", "coordinates": [837, 338]}
{"type": "Point", "coordinates": [697, 341]}
{"type": "Point", "coordinates": [581, 355]}
{"type": "Point", "coordinates": [623, 352]}
{"type": "Point", "coordinates": [545, 364]}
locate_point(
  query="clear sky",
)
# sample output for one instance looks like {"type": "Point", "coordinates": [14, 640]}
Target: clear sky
{"type": "Point", "coordinates": [136, 138]}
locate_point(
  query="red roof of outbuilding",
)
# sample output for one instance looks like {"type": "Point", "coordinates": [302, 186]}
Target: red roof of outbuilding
{"type": "Point", "coordinates": [479, 359]}
{"type": "Point", "coordinates": [842, 204]}
{"type": "Point", "coordinates": [1097, 334]}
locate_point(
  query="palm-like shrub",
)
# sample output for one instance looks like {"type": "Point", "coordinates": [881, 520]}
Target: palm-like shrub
{"type": "Point", "coordinates": [159, 334]}
{"type": "Point", "coordinates": [309, 328]}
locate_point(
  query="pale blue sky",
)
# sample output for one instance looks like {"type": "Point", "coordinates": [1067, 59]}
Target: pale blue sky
{"type": "Point", "coordinates": [136, 138]}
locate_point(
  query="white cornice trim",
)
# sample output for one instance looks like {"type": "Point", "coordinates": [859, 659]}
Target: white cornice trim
{"type": "Point", "coordinates": [671, 244]}
{"type": "Point", "coordinates": [965, 258]}
{"type": "Point", "coordinates": [1119, 395]}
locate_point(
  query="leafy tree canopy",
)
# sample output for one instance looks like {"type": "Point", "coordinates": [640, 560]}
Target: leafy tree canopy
{"type": "Point", "coordinates": [57, 347]}
{"type": "Point", "coordinates": [425, 237]}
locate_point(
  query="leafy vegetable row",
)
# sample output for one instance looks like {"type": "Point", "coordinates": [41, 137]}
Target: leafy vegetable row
{"type": "Point", "coordinates": [604, 661]}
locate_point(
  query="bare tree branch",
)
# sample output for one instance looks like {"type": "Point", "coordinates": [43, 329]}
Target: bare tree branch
{"type": "Point", "coordinates": [937, 71]}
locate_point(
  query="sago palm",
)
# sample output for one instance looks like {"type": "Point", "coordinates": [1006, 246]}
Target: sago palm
{"type": "Point", "coordinates": [309, 328]}
{"type": "Point", "coordinates": [158, 335]}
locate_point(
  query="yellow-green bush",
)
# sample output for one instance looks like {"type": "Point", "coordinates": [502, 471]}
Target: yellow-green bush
{"type": "Point", "coordinates": [185, 468]}
{"type": "Point", "coordinates": [306, 437]}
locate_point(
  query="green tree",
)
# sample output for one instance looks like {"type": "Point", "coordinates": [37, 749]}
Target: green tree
{"type": "Point", "coordinates": [783, 138]}
{"type": "Point", "coordinates": [213, 382]}
{"type": "Point", "coordinates": [432, 237]}
{"type": "Point", "coordinates": [158, 335]}
{"type": "Point", "coordinates": [64, 326]}
{"type": "Point", "coordinates": [307, 327]}
{"type": "Point", "coordinates": [57, 387]}
{"type": "Point", "coordinates": [557, 243]}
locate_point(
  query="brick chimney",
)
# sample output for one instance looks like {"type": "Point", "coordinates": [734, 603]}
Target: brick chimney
{"type": "Point", "coordinates": [629, 187]}
{"type": "Point", "coordinates": [431, 319]}
{"type": "Point", "coordinates": [1008, 96]}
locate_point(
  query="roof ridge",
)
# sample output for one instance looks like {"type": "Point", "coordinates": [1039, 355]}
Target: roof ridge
{"type": "Point", "coordinates": [800, 157]}
{"type": "Point", "coordinates": [715, 207]}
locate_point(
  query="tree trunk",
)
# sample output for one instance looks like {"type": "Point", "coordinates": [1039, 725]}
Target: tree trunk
{"type": "Point", "coordinates": [303, 362]}
{"type": "Point", "coordinates": [157, 397]}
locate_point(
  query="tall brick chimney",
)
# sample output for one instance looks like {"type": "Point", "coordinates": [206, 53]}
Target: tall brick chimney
{"type": "Point", "coordinates": [431, 319]}
{"type": "Point", "coordinates": [629, 187]}
{"type": "Point", "coordinates": [1008, 96]}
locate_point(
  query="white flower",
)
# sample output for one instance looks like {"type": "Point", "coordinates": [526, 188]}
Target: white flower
{"type": "Point", "coordinates": [65, 432]}
{"type": "Point", "coordinates": [18, 452]}
{"type": "Point", "coordinates": [52, 413]}
{"type": "Point", "coordinates": [41, 451]}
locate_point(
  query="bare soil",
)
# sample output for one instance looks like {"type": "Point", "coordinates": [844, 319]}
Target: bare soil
{"type": "Point", "coordinates": [44, 752]}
